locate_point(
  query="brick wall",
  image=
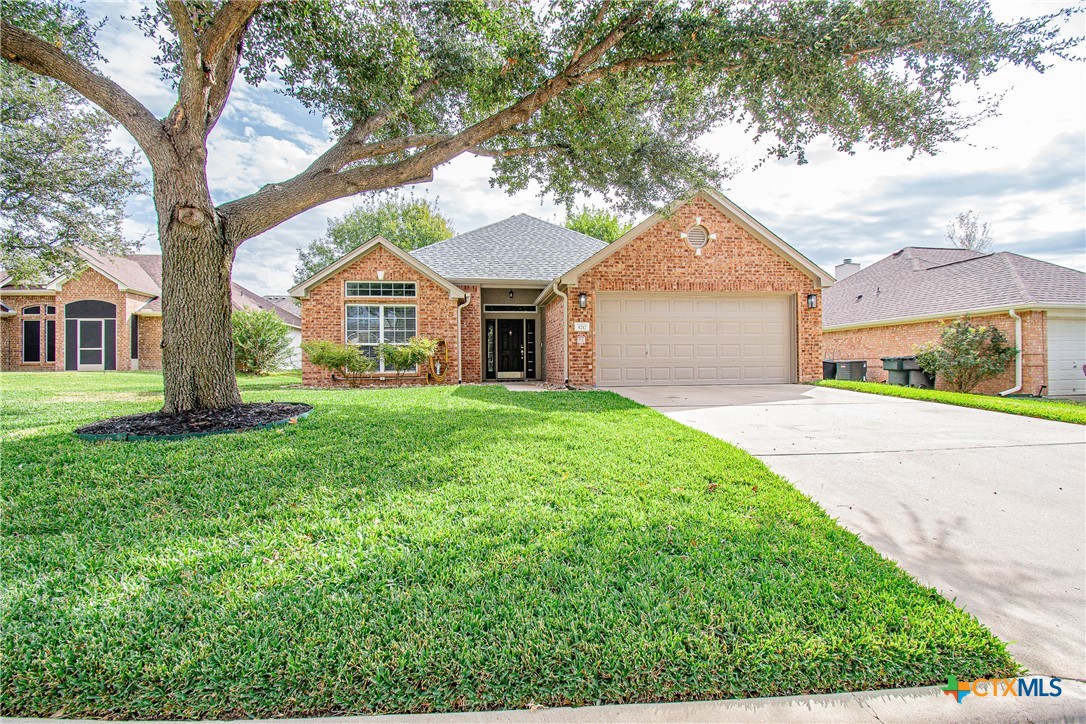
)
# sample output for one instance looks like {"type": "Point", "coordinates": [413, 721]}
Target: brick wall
{"type": "Point", "coordinates": [323, 311]}
{"type": "Point", "coordinates": [89, 284]}
{"type": "Point", "coordinates": [471, 320]}
{"type": "Point", "coordinates": [874, 343]}
{"type": "Point", "coordinates": [150, 343]}
{"type": "Point", "coordinates": [11, 334]}
{"type": "Point", "coordinates": [553, 350]}
{"type": "Point", "coordinates": [659, 260]}
{"type": "Point", "coordinates": [86, 285]}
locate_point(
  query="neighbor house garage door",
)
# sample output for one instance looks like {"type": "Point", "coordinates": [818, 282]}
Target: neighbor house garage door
{"type": "Point", "coordinates": [1066, 356]}
{"type": "Point", "coordinates": [683, 339]}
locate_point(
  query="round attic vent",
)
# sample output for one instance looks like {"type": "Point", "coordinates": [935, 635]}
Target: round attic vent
{"type": "Point", "coordinates": [697, 236]}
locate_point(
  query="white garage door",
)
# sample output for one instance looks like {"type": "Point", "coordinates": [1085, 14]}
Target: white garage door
{"type": "Point", "coordinates": [1066, 356]}
{"type": "Point", "coordinates": [682, 339]}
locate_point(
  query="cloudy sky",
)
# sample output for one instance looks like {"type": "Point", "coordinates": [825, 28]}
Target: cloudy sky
{"type": "Point", "coordinates": [1023, 171]}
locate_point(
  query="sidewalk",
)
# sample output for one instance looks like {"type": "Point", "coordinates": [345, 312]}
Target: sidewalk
{"type": "Point", "coordinates": [926, 704]}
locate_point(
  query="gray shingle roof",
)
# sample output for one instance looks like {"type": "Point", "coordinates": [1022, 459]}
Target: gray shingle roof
{"type": "Point", "coordinates": [521, 247]}
{"type": "Point", "coordinates": [918, 281]}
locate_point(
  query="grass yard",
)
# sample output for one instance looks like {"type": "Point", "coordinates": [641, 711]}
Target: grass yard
{"type": "Point", "coordinates": [429, 550]}
{"type": "Point", "coordinates": [1029, 407]}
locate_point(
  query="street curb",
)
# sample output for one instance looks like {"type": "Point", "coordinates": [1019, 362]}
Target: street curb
{"type": "Point", "coordinates": [928, 704]}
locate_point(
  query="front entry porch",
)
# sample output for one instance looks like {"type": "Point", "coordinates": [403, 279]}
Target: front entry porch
{"type": "Point", "coordinates": [510, 348]}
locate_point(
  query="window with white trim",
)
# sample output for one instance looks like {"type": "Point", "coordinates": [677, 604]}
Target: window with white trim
{"type": "Point", "coordinates": [369, 325]}
{"type": "Point", "coordinates": [381, 289]}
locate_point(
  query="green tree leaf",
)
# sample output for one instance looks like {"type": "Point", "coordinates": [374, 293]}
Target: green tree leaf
{"type": "Point", "coordinates": [598, 223]}
{"type": "Point", "coordinates": [409, 223]}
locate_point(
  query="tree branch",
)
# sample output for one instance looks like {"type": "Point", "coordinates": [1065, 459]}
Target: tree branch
{"type": "Point", "coordinates": [604, 6]}
{"type": "Point", "coordinates": [352, 146]}
{"type": "Point", "coordinates": [222, 77]}
{"type": "Point", "coordinates": [191, 97]}
{"type": "Point", "coordinates": [323, 181]}
{"type": "Point", "coordinates": [26, 50]}
{"type": "Point", "coordinates": [507, 152]}
{"type": "Point", "coordinates": [232, 16]}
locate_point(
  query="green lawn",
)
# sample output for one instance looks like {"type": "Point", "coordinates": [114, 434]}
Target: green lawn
{"type": "Point", "coordinates": [428, 550]}
{"type": "Point", "coordinates": [1029, 407]}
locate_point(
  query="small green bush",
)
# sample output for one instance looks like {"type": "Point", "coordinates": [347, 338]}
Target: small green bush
{"type": "Point", "coordinates": [967, 354]}
{"type": "Point", "coordinates": [261, 341]}
{"type": "Point", "coordinates": [405, 357]}
{"type": "Point", "coordinates": [335, 357]}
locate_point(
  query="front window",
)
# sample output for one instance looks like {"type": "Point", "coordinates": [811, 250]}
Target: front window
{"type": "Point", "coordinates": [31, 340]}
{"type": "Point", "coordinates": [369, 325]}
{"type": "Point", "coordinates": [380, 289]}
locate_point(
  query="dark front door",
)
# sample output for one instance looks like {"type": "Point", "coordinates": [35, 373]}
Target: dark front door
{"type": "Point", "coordinates": [510, 348]}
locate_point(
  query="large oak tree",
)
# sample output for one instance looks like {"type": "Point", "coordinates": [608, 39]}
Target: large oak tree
{"type": "Point", "coordinates": [604, 96]}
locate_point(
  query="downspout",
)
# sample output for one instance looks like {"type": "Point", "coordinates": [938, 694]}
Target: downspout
{"type": "Point", "coordinates": [565, 333]}
{"type": "Point", "coordinates": [1017, 357]}
{"type": "Point", "coordinates": [459, 340]}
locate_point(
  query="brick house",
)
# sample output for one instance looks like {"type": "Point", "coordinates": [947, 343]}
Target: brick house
{"type": "Point", "coordinates": [901, 301]}
{"type": "Point", "coordinates": [106, 316]}
{"type": "Point", "coordinates": [699, 294]}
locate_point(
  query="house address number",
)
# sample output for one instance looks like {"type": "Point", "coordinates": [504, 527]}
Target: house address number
{"type": "Point", "coordinates": [580, 326]}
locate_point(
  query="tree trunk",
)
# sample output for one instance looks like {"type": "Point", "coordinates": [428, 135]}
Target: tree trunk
{"type": "Point", "coordinates": [197, 257]}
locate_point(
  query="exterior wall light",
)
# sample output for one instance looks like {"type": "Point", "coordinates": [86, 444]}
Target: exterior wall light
{"type": "Point", "coordinates": [812, 301]}
{"type": "Point", "coordinates": [582, 300]}
{"type": "Point", "coordinates": [510, 293]}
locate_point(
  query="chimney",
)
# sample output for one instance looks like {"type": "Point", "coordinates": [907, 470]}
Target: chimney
{"type": "Point", "coordinates": [846, 269]}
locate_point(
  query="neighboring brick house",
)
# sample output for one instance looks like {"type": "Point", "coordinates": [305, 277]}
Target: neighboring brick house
{"type": "Point", "coordinates": [699, 294]}
{"type": "Point", "coordinates": [106, 316]}
{"type": "Point", "coordinates": [900, 302]}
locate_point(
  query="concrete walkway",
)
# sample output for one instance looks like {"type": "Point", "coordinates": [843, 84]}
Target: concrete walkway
{"type": "Point", "coordinates": [927, 704]}
{"type": "Point", "coordinates": [986, 507]}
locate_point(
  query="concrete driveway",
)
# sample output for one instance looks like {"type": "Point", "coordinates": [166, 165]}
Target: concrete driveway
{"type": "Point", "coordinates": [986, 507]}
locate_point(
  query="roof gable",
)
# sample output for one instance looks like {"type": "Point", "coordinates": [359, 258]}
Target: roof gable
{"type": "Point", "coordinates": [729, 209]}
{"type": "Point", "coordinates": [520, 248]}
{"type": "Point", "coordinates": [916, 282]}
{"type": "Point", "coordinates": [301, 290]}
{"type": "Point", "coordinates": [128, 275]}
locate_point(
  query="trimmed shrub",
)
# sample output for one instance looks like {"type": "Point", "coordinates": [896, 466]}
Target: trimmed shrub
{"type": "Point", "coordinates": [967, 354]}
{"type": "Point", "coordinates": [341, 358]}
{"type": "Point", "coordinates": [261, 341]}
{"type": "Point", "coordinates": [405, 357]}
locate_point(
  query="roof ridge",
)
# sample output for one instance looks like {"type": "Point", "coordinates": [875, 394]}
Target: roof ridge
{"type": "Point", "coordinates": [961, 261]}
{"type": "Point", "coordinates": [1018, 280]}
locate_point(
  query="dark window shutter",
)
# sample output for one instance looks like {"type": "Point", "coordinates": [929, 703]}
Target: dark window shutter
{"type": "Point", "coordinates": [71, 344]}
{"type": "Point", "coordinates": [50, 340]}
{"type": "Point", "coordinates": [31, 340]}
{"type": "Point", "coordinates": [110, 343]}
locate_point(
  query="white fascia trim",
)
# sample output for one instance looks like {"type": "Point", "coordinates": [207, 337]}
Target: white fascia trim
{"type": "Point", "coordinates": [503, 283]}
{"type": "Point", "coordinates": [138, 313]}
{"type": "Point", "coordinates": [958, 313]}
{"type": "Point", "coordinates": [545, 295]}
{"type": "Point", "coordinates": [28, 292]}
{"type": "Point", "coordinates": [729, 209]}
{"type": "Point", "coordinates": [301, 291]}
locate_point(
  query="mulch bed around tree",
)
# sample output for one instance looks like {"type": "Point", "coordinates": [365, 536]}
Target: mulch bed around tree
{"type": "Point", "coordinates": [155, 425]}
